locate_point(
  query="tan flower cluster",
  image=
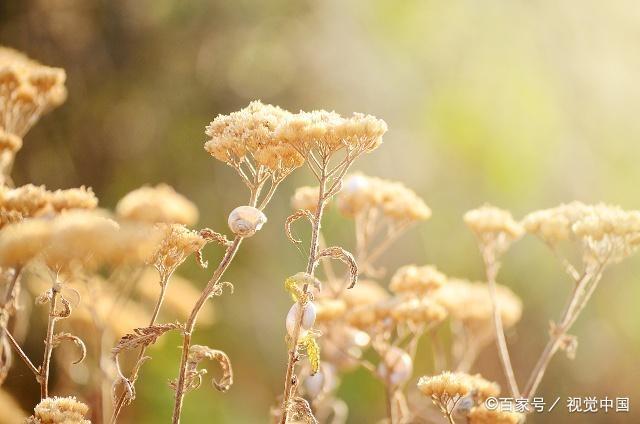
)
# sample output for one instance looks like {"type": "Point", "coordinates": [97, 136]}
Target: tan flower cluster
{"type": "Point", "coordinates": [328, 132]}
{"type": "Point", "coordinates": [417, 311]}
{"type": "Point", "coordinates": [157, 204]}
{"type": "Point", "coordinates": [27, 90]}
{"type": "Point", "coordinates": [489, 219]}
{"type": "Point", "coordinates": [445, 386]}
{"type": "Point", "coordinates": [177, 243]}
{"type": "Point", "coordinates": [79, 237]}
{"type": "Point", "coordinates": [471, 304]}
{"type": "Point", "coordinates": [608, 232]}
{"type": "Point", "coordinates": [249, 135]}
{"type": "Point", "coordinates": [305, 198]}
{"type": "Point", "coordinates": [31, 201]}
{"type": "Point", "coordinates": [417, 279]}
{"type": "Point", "coordinates": [60, 410]}
{"type": "Point", "coordinates": [481, 415]}
{"type": "Point", "coordinates": [361, 193]}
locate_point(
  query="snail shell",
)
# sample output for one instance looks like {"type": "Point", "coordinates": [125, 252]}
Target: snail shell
{"type": "Point", "coordinates": [397, 366]}
{"type": "Point", "coordinates": [308, 318]}
{"type": "Point", "coordinates": [245, 221]}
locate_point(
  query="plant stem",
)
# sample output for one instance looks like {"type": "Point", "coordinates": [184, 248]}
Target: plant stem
{"type": "Point", "coordinates": [21, 354]}
{"type": "Point", "coordinates": [140, 360]}
{"type": "Point", "coordinates": [501, 342]}
{"type": "Point", "coordinates": [191, 322]}
{"type": "Point", "coordinates": [576, 304]}
{"type": "Point", "coordinates": [8, 297]}
{"type": "Point", "coordinates": [311, 263]}
{"type": "Point", "coordinates": [48, 343]}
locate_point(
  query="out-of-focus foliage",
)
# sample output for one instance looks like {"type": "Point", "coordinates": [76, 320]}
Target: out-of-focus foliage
{"type": "Point", "coordinates": [524, 104]}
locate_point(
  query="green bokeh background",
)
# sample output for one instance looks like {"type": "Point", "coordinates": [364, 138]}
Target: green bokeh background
{"type": "Point", "coordinates": [524, 104]}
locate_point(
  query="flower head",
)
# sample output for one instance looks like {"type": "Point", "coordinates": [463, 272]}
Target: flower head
{"type": "Point", "coordinates": [306, 198]}
{"type": "Point", "coordinates": [157, 204]}
{"type": "Point", "coordinates": [495, 228]}
{"type": "Point", "coordinates": [60, 410]}
{"type": "Point", "coordinates": [417, 279]}
{"type": "Point", "coordinates": [482, 415]}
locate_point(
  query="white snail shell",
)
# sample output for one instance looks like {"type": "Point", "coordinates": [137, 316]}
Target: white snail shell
{"type": "Point", "coordinates": [324, 381]}
{"type": "Point", "coordinates": [245, 221]}
{"type": "Point", "coordinates": [397, 366]}
{"type": "Point", "coordinates": [308, 318]}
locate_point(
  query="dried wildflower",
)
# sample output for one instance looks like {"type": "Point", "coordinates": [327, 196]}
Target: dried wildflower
{"type": "Point", "coordinates": [329, 132]}
{"type": "Point", "coordinates": [329, 309]}
{"type": "Point", "coordinates": [471, 304]}
{"type": "Point", "coordinates": [445, 386]}
{"type": "Point", "coordinates": [245, 221]}
{"type": "Point", "coordinates": [417, 311]}
{"type": "Point", "coordinates": [415, 279]}
{"type": "Point", "coordinates": [60, 410]}
{"type": "Point", "coordinates": [159, 204]}
{"type": "Point", "coordinates": [22, 241]}
{"type": "Point", "coordinates": [29, 200]}
{"type": "Point", "coordinates": [396, 366]}
{"type": "Point", "coordinates": [177, 243]}
{"type": "Point", "coordinates": [73, 198]}
{"type": "Point", "coordinates": [481, 415]}
{"type": "Point", "coordinates": [495, 229]}
{"type": "Point", "coordinates": [305, 198]}
{"type": "Point", "coordinates": [27, 90]}
{"type": "Point", "coordinates": [246, 141]}
{"type": "Point", "coordinates": [361, 193]}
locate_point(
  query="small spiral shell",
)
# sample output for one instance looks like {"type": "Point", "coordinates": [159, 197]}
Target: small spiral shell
{"type": "Point", "coordinates": [245, 221]}
{"type": "Point", "coordinates": [397, 366]}
{"type": "Point", "coordinates": [308, 318]}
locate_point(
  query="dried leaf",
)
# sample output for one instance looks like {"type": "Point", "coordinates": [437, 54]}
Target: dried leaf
{"type": "Point", "coordinates": [66, 308]}
{"type": "Point", "coordinates": [210, 236]}
{"type": "Point", "coordinates": [60, 337]}
{"type": "Point", "coordinates": [198, 353]}
{"type": "Point", "coordinates": [300, 213]}
{"type": "Point", "coordinates": [144, 336]}
{"type": "Point", "coordinates": [299, 411]}
{"type": "Point", "coordinates": [336, 252]}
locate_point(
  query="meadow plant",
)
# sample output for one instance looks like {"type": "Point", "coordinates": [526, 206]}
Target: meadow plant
{"type": "Point", "coordinates": [82, 264]}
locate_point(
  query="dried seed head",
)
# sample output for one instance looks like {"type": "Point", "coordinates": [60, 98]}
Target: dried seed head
{"type": "Point", "coordinates": [245, 221]}
{"type": "Point", "coordinates": [417, 279]}
{"type": "Point", "coordinates": [22, 241]}
{"type": "Point", "coordinates": [60, 410]}
{"type": "Point", "coordinates": [32, 201]}
{"type": "Point", "coordinates": [445, 386]}
{"type": "Point", "coordinates": [417, 311]}
{"type": "Point", "coordinates": [176, 245]}
{"type": "Point", "coordinates": [305, 198]}
{"type": "Point", "coordinates": [494, 228]}
{"type": "Point", "coordinates": [396, 366]}
{"type": "Point", "coordinates": [471, 303]}
{"type": "Point", "coordinates": [481, 415]}
{"type": "Point", "coordinates": [395, 201]}
{"type": "Point", "coordinates": [607, 233]}
{"type": "Point", "coordinates": [157, 204]}
{"type": "Point", "coordinates": [27, 90]}
{"type": "Point", "coordinates": [329, 132]}
{"type": "Point", "coordinates": [249, 136]}
{"type": "Point", "coordinates": [308, 318]}
{"type": "Point", "coordinates": [73, 198]}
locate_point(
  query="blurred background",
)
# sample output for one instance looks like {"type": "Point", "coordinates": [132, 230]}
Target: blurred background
{"type": "Point", "coordinates": [523, 104]}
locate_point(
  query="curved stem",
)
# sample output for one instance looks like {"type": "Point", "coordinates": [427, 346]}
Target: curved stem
{"type": "Point", "coordinates": [501, 342]}
{"type": "Point", "coordinates": [48, 343]}
{"type": "Point", "coordinates": [191, 323]}
{"type": "Point", "coordinates": [120, 403]}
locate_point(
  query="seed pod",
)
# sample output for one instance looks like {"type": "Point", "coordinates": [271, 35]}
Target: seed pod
{"type": "Point", "coordinates": [245, 221]}
{"type": "Point", "coordinates": [397, 366]}
{"type": "Point", "coordinates": [308, 318]}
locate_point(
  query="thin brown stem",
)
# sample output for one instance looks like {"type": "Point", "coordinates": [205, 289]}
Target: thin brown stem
{"type": "Point", "coordinates": [313, 253]}
{"type": "Point", "coordinates": [48, 343]}
{"type": "Point", "coordinates": [21, 354]}
{"type": "Point", "coordinates": [191, 323]}
{"type": "Point", "coordinates": [491, 267]}
{"type": "Point", "coordinates": [120, 403]}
